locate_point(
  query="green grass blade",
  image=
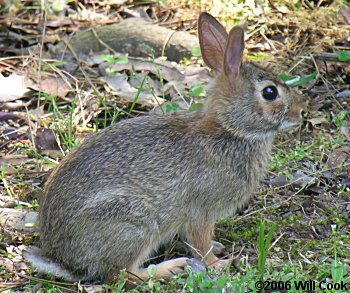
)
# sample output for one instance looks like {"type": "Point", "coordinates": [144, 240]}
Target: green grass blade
{"type": "Point", "coordinates": [138, 93]}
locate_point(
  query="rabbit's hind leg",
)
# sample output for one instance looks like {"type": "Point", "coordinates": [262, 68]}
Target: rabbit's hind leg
{"type": "Point", "coordinates": [163, 270]}
{"type": "Point", "coordinates": [199, 235]}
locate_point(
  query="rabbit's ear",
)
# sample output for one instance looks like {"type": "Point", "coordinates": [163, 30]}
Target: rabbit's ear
{"type": "Point", "coordinates": [212, 40]}
{"type": "Point", "coordinates": [234, 52]}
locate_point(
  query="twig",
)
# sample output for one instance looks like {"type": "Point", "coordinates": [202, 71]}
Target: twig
{"type": "Point", "coordinates": [329, 56]}
{"type": "Point", "coordinates": [71, 49]}
{"type": "Point", "coordinates": [167, 39]}
{"type": "Point", "coordinates": [43, 21]}
{"type": "Point", "coordinates": [102, 42]}
{"type": "Point", "coordinates": [58, 284]}
{"type": "Point", "coordinates": [268, 41]}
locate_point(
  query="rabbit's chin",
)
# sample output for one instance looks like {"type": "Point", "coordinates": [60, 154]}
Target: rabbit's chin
{"type": "Point", "coordinates": [286, 125]}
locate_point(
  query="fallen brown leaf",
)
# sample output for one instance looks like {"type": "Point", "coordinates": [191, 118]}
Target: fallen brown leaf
{"type": "Point", "coordinates": [5, 116]}
{"type": "Point", "coordinates": [45, 139]}
{"type": "Point", "coordinates": [14, 159]}
{"type": "Point", "coordinates": [53, 86]}
{"type": "Point", "coordinates": [13, 87]}
{"type": "Point", "coordinates": [121, 87]}
{"type": "Point", "coordinates": [338, 157]}
{"type": "Point", "coordinates": [346, 14]}
{"type": "Point", "coordinates": [317, 121]}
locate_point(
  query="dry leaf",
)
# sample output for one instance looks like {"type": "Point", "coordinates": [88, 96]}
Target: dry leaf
{"type": "Point", "coordinates": [60, 22]}
{"type": "Point", "coordinates": [317, 121]}
{"type": "Point", "coordinates": [8, 134]}
{"type": "Point", "coordinates": [117, 2]}
{"type": "Point", "coordinates": [17, 219]}
{"type": "Point", "coordinates": [175, 76]}
{"type": "Point", "coordinates": [45, 139]}
{"type": "Point", "coordinates": [13, 87]}
{"type": "Point", "coordinates": [301, 180]}
{"type": "Point", "coordinates": [346, 14]}
{"type": "Point", "coordinates": [14, 159]}
{"type": "Point", "coordinates": [337, 158]}
{"type": "Point", "coordinates": [121, 87]}
{"type": "Point", "coordinates": [91, 288]}
{"type": "Point", "coordinates": [345, 130]}
{"type": "Point", "coordinates": [56, 87]}
{"type": "Point", "coordinates": [166, 69]}
{"type": "Point", "coordinates": [37, 114]}
{"type": "Point", "coordinates": [5, 116]}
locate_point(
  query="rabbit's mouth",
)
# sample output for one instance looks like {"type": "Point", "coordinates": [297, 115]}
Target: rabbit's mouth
{"type": "Point", "coordinates": [285, 125]}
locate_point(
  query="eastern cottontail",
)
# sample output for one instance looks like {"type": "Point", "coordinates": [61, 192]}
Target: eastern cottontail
{"type": "Point", "coordinates": [133, 186]}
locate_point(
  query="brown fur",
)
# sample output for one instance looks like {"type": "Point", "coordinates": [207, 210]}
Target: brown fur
{"type": "Point", "coordinates": [131, 187]}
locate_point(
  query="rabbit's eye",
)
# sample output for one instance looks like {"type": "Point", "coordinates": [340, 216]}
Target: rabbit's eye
{"type": "Point", "coordinates": [270, 93]}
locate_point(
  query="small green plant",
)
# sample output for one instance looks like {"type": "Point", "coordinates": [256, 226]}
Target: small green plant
{"type": "Point", "coordinates": [264, 247]}
{"type": "Point", "coordinates": [343, 190]}
{"type": "Point", "coordinates": [138, 93]}
{"type": "Point", "coordinates": [53, 65]}
{"type": "Point", "coordinates": [340, 119]}
{"type": "Point", "coordinates": [296, 80]}
{"type": "Point", "coordinates": [4, 180]}
{"type": "Point", "coordinates": [108, 114]}
{"type": "Point", "coordinates": [203, 282]}
{"type": "Point", "coordinates": [144, 84]}
{"type": "Point", "coordinates": [197, 91]}
{"type": "Point", "coordinates": [343, 55]}
{"type": "Point", "coordinates": [58, 6]}
{"type": "Point", "coordinates": [67, 136]}
{"type": "Point", "coordinates": [339, 271]}
{"type": "Point", "coordinates": [34, 203]}
{"type": "Point", "coordinates": [153, 283]}
{"type": "Point", "coordinates": [257, 57]}
{"type": "Point", "coordinates": [283, 158]}
{"type": "Point", "coordinates": [195, 107]}
{"type": "Point", "coordinates": [117, 287]}
{"type": "Point", "coordinates": [172, 107]}
{"type": "Point", "coordinates": [114, 60]}
{"type": "Point", "coordinates": [196, 51]}
{"type": "Point", "coordinates": [63, 125]}
{"type": "Point", "coordinates": [50, 7]}
{"type": "Point", "coordinates": [52, 105]}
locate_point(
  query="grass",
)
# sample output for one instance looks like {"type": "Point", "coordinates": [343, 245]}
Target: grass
{"type": "Point", "coordinates": [290, 276]}
{"type": "Point", "coordinates": [261, 274]}
{"type": "Point", "coordinates": [264, 247]}
{"type": "Point", "coordinates": [291, 157]}
{"type": "Point", "coordinates": [62, 121]}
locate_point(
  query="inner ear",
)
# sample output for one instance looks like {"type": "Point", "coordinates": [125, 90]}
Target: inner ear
{"type": "Point", "coordinates": [234, 52]}
{"type": "Point", "coordinates": [212, 40]}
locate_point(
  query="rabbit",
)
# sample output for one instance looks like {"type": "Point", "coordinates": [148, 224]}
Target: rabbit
{"type": "Point", "coordinates": [131, 187]}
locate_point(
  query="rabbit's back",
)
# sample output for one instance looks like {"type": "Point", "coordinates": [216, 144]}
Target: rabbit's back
{"type": "Point", "coordinates": [155, 156]}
